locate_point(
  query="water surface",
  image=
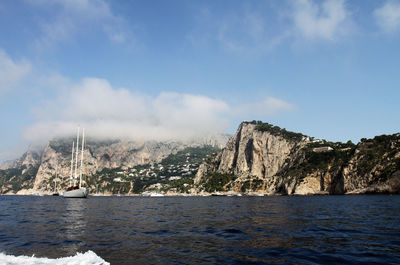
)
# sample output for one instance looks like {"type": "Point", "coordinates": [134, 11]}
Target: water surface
{"type": "Point", "coordinates": [205, 230]}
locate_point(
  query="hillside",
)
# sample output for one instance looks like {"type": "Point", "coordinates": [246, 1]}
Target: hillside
{"type": "Point", "coordinates": [111, 167]}
{"type": "Point", "coordinates": [259, 159]}
{"type": "Point", "coordinates": [262, 158]}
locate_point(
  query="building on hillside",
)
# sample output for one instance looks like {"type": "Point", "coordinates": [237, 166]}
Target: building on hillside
{"type": "Point", "coordinates": [322, 149]}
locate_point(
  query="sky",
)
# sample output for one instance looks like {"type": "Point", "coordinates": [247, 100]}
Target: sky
{"type": "Point", "coordinates": [178, 69]}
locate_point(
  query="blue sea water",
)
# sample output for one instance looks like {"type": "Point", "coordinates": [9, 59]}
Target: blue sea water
{"type": "Point", "coordinates": [205, 230]}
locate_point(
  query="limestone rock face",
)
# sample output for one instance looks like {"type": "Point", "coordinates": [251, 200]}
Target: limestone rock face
{"type": "Point", "coordinates": [375, 166]}
{"type": "Point", "coordinates": [255, 155]}
{"type": "Point", "coordinates": [258, 159]}
{"type": "Point", "coordinates": [267, 159]}
{"type": "Point", "coordinates": [28, 159]}
{"type": "Point", "coordinates": [20, 173]}
{"type": "Point", "coordinates": [53, 163]}
{"type": "Point", "coordinates": [309, 185]}
{"type": "Point", "coordinates": [47, 165]}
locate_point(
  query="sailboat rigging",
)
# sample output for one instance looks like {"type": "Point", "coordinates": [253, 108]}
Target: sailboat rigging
{"type": "Point", "coordinates": [55, 193]}
{"type": "Point", "coordinates": [75, 190]}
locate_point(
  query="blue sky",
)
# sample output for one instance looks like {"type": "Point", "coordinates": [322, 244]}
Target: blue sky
{"type": "Point", "coordinates": [164, 69]}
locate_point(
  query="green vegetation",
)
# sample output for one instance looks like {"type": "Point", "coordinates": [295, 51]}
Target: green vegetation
{"type": "Point", "coordinates": [104, 181]}
{"type": "Point", "coordinates": [174, 173]}
{"type": "Point", "coordinates": [63, 146]}
{"type": "Point", "coordinates": [311, 161]}
{"type": "Point", "coordinates": [182, 185]}
{"type": "Point", "coordinates": [190, 154]}
{"type": "Point", "coordinates": [334, 145]}
{"type": "Point", "coordinates": [117, 188]}
{"type": "Point", "coordinates": [379, 150]}
{"type": "Point", "coordinates": [277, 131]}
{"type": "Point", "coordinates": [251, 184]}
{"type": "Point", "coordinates": [217, 182]}
{"type": "Point", "coordinates": [245, 186]}
{"type": "Point", "coordinates": [15, 179]}
{"type": "Point", "coordinates": [375, 159]}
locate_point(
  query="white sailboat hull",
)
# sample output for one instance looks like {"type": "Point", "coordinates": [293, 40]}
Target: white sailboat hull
{"type": "Point", "coordinates": [77, 193]}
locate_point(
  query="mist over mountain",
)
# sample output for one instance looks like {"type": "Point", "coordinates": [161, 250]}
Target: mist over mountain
{"type": "Point", "coordinates": [105, 160]}
{"type": "Point", "coordinates": [259, 159]}
{"type": "Point", "coordinates": [117, 113]}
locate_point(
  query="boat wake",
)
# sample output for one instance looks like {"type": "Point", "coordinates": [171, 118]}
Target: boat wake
{"type": "Point", "coordinates": [88, 258]}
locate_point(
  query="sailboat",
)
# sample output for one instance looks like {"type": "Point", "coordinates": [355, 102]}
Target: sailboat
{"type": "Point", "coordinates": [55, 193]}
{"type": "Point", "coordinates": [75, 190]}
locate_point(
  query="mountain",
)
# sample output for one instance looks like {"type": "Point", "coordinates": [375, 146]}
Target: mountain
{"type": "Point", "coordinates": [20, 174]}
{"type": "Point", "coordinates": [262, 158]}
{"type": "Point", "coordinates": [111, 166]}
{"type": "Point", "coordinates": [258, 159]}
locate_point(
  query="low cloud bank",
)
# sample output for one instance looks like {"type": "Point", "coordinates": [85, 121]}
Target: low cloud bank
{"type": "Point", "coordinates": [11, 72]}
{"type": "Point", "coordinates": [107, 112]}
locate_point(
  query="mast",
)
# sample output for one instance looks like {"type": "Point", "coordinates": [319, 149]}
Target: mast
{"type": "Point", "coordinates": [83, 141]}
{"type": "Point", "coordinates": [55, 180]}
{"type": "Point", "coordinates": [72, 163]}
{"type": "Point", "coordinates": [76, 156]}
{"type": "Point", "coordinates": [85, 165]}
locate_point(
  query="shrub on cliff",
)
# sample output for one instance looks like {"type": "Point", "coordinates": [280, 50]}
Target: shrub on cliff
{"type": "Point", "coordinates": [217, 181]}
{"type": "Point", "coordinates": [277, 131]}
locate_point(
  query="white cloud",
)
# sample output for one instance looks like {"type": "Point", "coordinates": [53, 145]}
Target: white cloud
{"type": "Point", "coordinates": [388, 16]}
{"type": "Point", "coordinates": [11, 72]}
{"type": "Point", "coordinates": [267, 107]}
{"type": "Point", "coordinates": [260, 28]}
{"type": "Point", "coordinates": [68, 18]}
{"type": "Point", "coordinates": [248, 33]}
{"type": "Point", "coordinates": [327, 20]}
{"type": "Point", "coordinates": [107, 112]}
{"type": "Point", "coordinates": [247, 30]}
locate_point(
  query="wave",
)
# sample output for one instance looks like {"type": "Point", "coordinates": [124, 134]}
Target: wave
{"type": "Point", "coordinates": [88, 258]}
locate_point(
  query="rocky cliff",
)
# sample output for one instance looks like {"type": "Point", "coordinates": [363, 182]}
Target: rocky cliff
{"type": "Point", "coordinates": [20, 174]}
{"type": "Point", "coordinates": [36, 172]}
{"type": "Point", "coordinates": [261, 158]}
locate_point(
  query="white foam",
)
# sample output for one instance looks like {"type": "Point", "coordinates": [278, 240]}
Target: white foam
{"type": "Point", "coordinates": [88, 258]}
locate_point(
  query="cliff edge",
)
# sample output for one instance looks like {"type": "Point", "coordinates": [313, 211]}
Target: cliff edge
{"type": "Point", "coordinates": [262, 158]}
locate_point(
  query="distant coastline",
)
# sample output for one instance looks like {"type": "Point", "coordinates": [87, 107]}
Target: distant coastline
{"type": "Point", "coordinates": [259, 160]}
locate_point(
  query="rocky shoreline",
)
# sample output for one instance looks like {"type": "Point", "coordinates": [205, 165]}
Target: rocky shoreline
{"type": "Point", "coordinates": [264, 158]}
{"type": "Point", "coordinates": [366, 191]}
{"type": "Point", "coordinates": [258, 160]}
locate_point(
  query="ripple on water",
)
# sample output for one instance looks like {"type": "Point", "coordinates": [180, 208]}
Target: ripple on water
{"type": "Point", "coordinates": [224, 230]}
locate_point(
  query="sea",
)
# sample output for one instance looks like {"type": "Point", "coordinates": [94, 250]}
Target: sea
{"type": "Point", "coordinates": [350, 229]}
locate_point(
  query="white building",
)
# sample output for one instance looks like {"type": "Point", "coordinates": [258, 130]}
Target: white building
{"type": "Point", "coordinates": [322, 149]}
